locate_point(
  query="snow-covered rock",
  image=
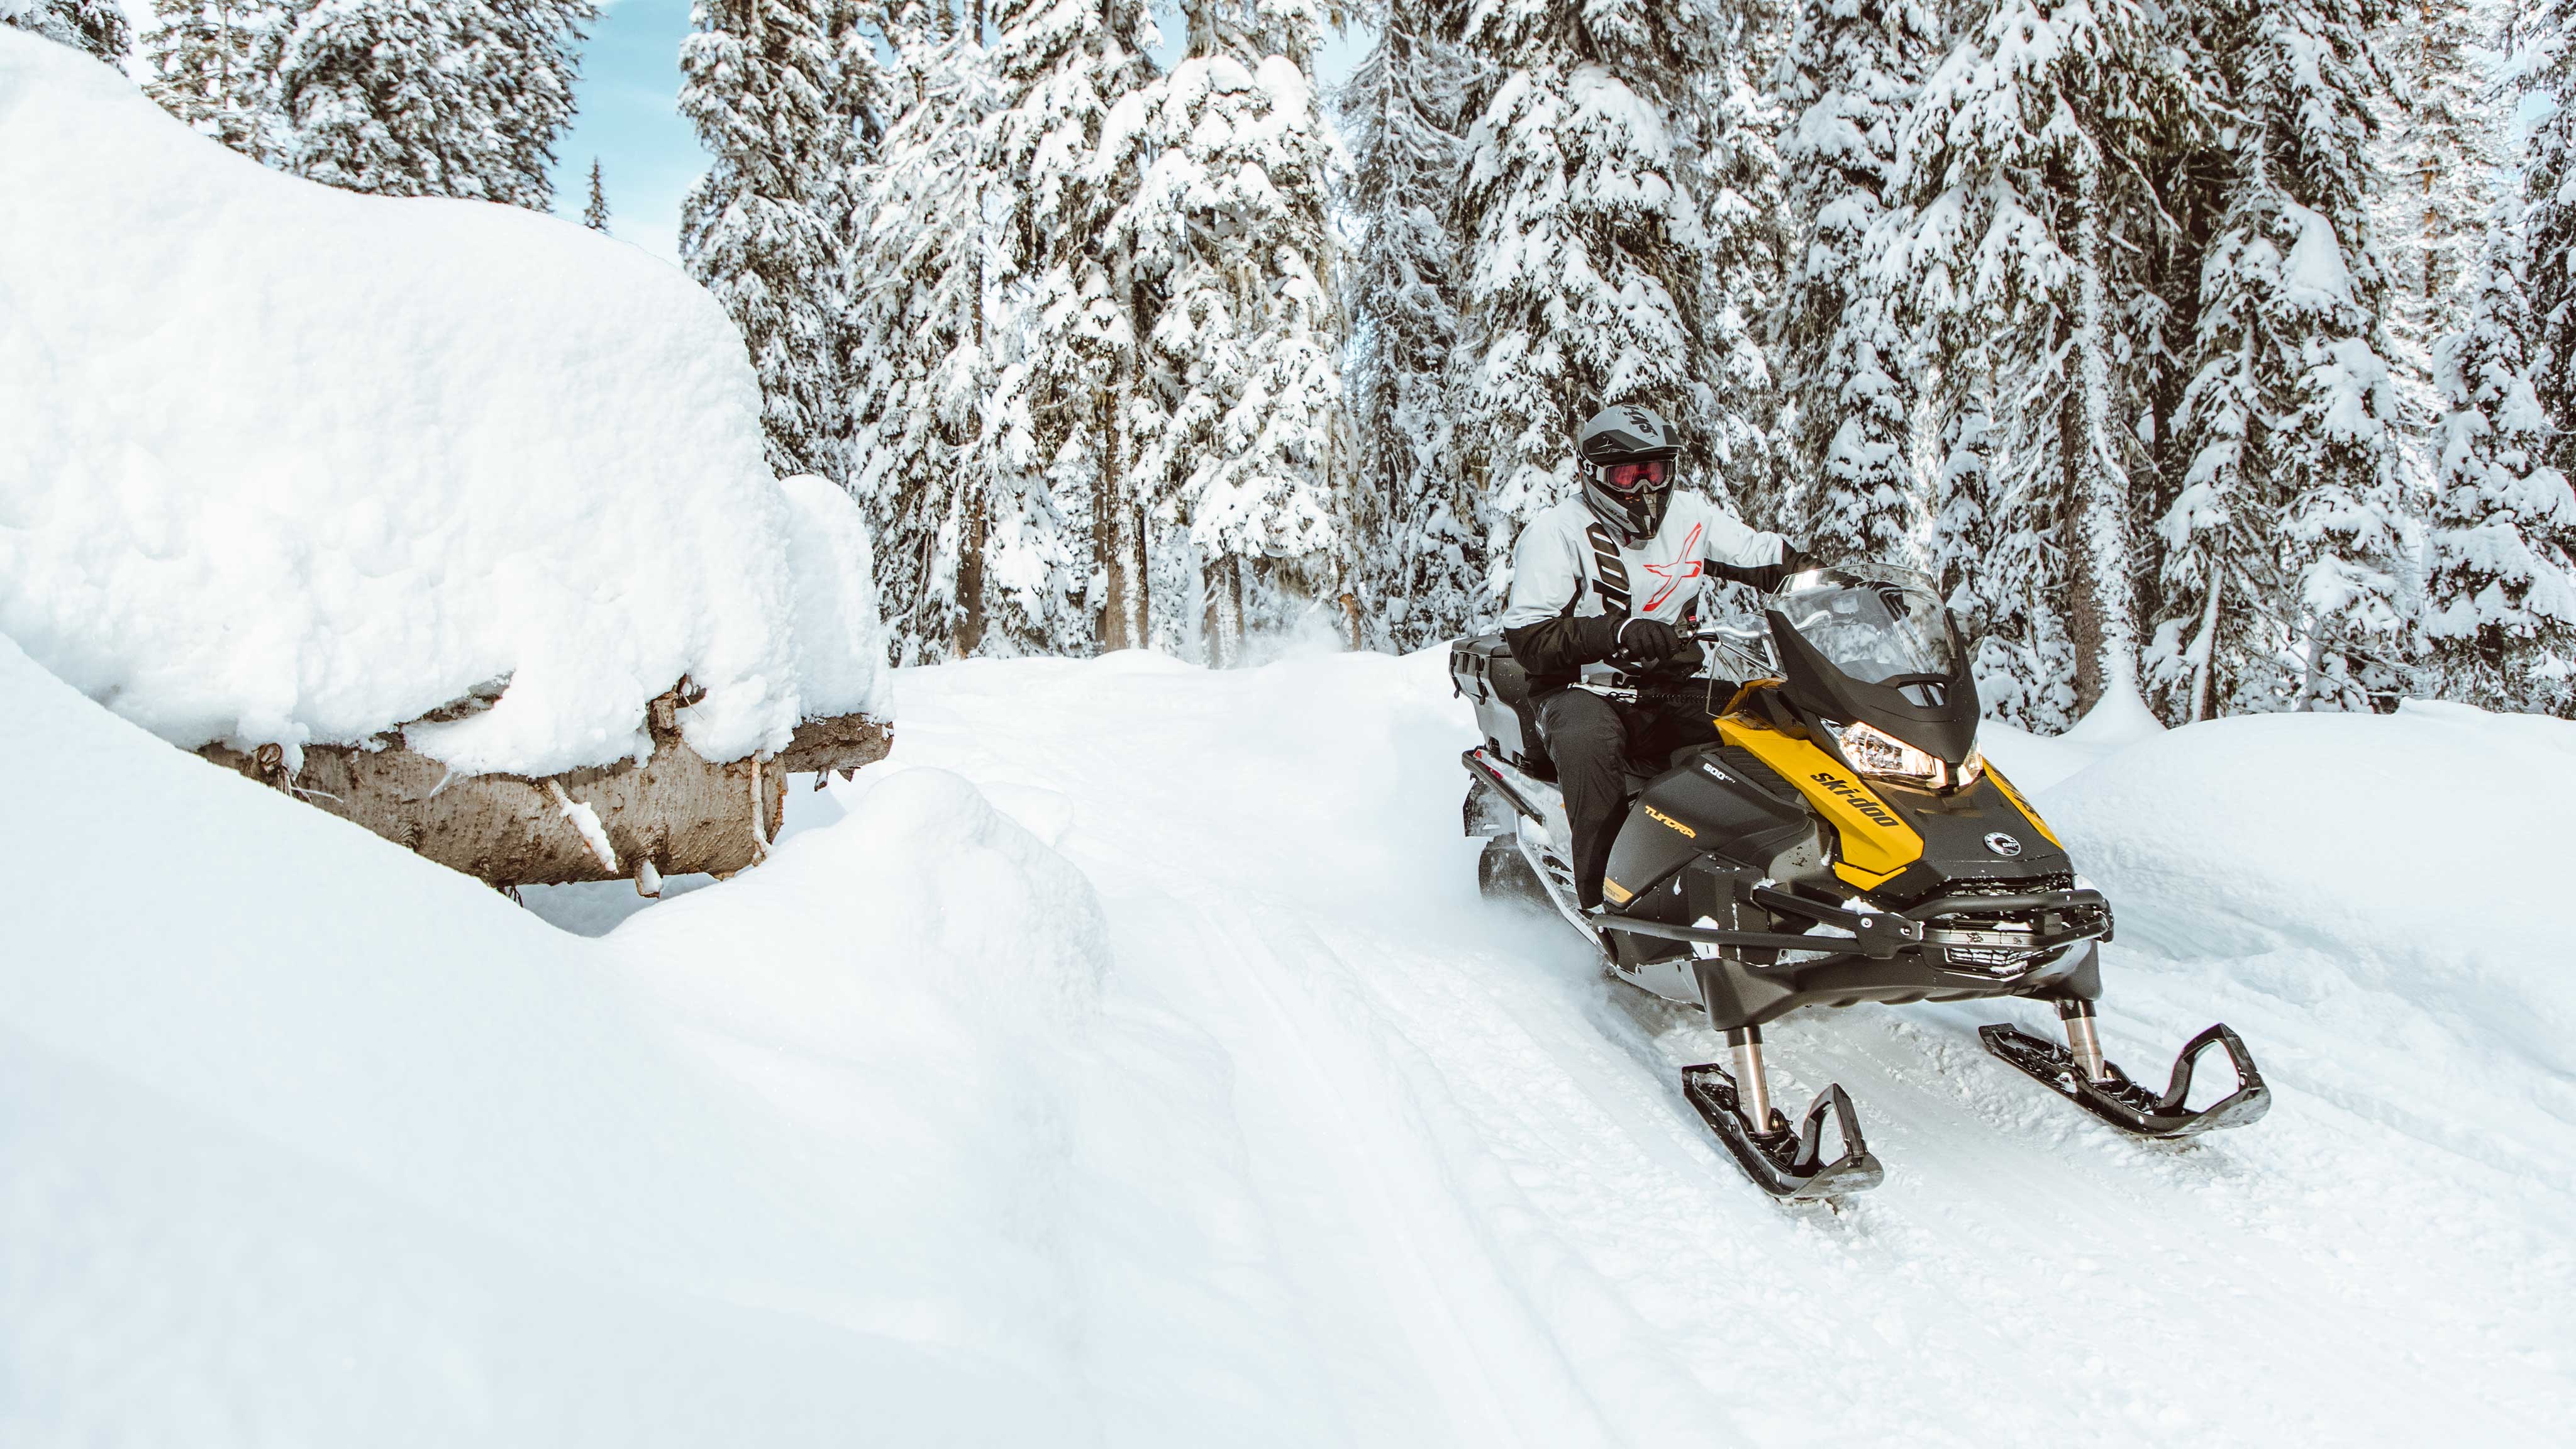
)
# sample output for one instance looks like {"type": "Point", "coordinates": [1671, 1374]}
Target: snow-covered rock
{"type": "Point", "coordinates": [281, 463]}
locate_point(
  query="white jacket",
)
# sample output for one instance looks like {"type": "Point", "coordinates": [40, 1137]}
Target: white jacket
{"type": "Point", "coordinates": [1555, 561]}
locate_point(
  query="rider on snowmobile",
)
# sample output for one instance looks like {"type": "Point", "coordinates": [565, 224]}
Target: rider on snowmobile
{"type": "Point", "coordinates": [1614, 574]}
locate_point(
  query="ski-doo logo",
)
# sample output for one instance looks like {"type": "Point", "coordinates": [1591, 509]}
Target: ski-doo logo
{"type": "Point", "coordinates": [2003, 845]}
{"type": "Point", "coordinates": [1857, 799]}
{"type": "Point", "coordinates": [1669, 822]}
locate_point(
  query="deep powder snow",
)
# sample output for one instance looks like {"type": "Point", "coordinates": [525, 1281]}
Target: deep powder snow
{"type": "Point", "coordinates": [1168, 1083]}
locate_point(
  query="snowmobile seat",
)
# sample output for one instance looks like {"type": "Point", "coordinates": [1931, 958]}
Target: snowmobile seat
{"type": "Point", "coordinates": [1482, 668]}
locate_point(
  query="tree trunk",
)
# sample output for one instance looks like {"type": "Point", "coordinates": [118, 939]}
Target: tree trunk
{"type": "Point", "coordinates": [970, 580]}
{"type": "Point", "coordinates": [1125, 627]}
{"type": "Point", "coordinates": [1225, 612]}
{"type": "Point", "coordinates": [2208, 645]}
{"type": "Point", "coordinates": [2103, 617]}
{"type": "Point", "coordinates": [1115, 535]}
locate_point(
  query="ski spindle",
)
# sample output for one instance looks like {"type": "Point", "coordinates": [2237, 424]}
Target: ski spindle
{"type": "Point", "coordinates": [1752, 1089]}
{"type": "Point", "coordinates": [2083, 1042]}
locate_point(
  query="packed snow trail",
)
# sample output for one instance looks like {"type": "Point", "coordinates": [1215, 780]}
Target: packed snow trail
{"type": "Point", "coordinates": [1475, 1141]}
{"type": "Point", "coordinates": [1206, 1103]}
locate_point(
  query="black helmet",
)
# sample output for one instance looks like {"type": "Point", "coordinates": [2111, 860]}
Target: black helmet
{"type": "Point", "coordinates": [1631, 499]}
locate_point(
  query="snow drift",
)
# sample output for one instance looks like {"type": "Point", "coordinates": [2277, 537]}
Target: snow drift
{"type": "Point", "coordinates": [388, 1160]}
{"type": "Point", "coordinates": [2426, 849]}
{"type": "Point", "coordinates": [1267, 1132]}
{"type": "Point", "coordinates": [287, 464]}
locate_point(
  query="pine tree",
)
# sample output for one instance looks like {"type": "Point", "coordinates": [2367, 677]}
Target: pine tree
{"type": "Point", "coordinates": [2282, 569]}
{"type": "Point", "coordinates": [2500, 607]}
{"type": "Point", "coordinates": [2025, 212]}
{"type": "Point", "coordinates": [923, 366]}
{"type": "Point", "coordinates": [206, 66]}
{"type": "Point", "coordinates": [1588, 245]}
{"type": "Point", "coordinates": [2435, 157]}
{"type": "Point", "coordinates": [1243, 436]}
{"type": "Point", "coordinates": [594, 213]}
{"type": "Point", "coordinates": [758, 230]}
{"type": "Point", "coordinates": [2544, 67]}
{"type": "Point", "coordinates": [1066, 538]}
{"type": "Point", "coordinates": [1997, 570]}
{"type": "Point", "coordinates": [1849, 75]}
{"type": "Point", "coordinates": [96, 26]}
{"type": "Point", "coordinates": [1404, 112]}
{"type": "Point", "coordinates": [1741, 181]}
{"type": "Point", "coordinates": [425, 98]}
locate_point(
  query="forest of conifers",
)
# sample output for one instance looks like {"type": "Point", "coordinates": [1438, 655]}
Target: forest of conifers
{"type": "Point", "coordinates": [2218, 350]}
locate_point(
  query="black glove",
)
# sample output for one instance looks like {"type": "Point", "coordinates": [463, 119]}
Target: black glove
{"type": "Point", "coordinates": [1655, 644]}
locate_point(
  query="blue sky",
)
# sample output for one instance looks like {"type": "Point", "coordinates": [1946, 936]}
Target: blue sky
{"type": "Point", "coordinates": [629, 119]}
{"type": "Point", "coordinates": [648, 156]}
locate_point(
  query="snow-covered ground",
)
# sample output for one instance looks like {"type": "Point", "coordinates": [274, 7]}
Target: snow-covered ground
{"type": "Point", "coordinates": [1129, 1060]}
{"type": "Point", "coordinates": [284, 463]}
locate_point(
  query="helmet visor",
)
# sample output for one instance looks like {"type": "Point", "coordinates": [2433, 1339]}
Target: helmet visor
{"type": "Point", "coordinates": [1638, 477]}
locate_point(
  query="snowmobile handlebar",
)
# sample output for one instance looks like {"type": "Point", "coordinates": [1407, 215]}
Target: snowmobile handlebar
{"type": "Point", "coordinates": [1749, 646]}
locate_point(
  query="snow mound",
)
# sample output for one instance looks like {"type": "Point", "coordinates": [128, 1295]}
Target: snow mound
{"type": "Point", "coordinates": [2420, 855]}
{"type": "Point", "coordinates": [382, 1158]}
{"type": "Point", "coordinates": [288, 464]}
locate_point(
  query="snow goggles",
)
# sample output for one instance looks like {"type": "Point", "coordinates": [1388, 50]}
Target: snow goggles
{"type": "Point", "coordinates": [1633, 477]}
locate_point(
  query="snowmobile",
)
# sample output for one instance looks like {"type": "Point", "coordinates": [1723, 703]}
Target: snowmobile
{"type": "Point", "coordinates": [1839, 840]}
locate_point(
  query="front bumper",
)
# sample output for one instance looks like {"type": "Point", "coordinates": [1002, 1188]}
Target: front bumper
{"type": "Point", "coordinates": [1945, 949]}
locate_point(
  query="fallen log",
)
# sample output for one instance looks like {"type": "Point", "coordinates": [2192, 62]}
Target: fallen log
{"type": "Point", "coordinates": [675, 813]}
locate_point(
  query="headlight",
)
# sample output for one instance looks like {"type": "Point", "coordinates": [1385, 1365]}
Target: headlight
{"type": "Point", "coordinates": [1874, 751]}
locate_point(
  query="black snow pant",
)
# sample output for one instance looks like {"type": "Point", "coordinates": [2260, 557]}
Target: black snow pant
{"type": "Point", "coordinates": [1590, 740]}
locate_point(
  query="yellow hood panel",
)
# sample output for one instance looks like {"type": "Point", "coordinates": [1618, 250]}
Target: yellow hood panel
{"type": "Point", "coordinates": [1876, 841]}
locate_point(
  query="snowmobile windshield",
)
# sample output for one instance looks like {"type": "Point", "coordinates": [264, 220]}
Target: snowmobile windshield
{"type": "Point", "coordinates": [1871, 621]}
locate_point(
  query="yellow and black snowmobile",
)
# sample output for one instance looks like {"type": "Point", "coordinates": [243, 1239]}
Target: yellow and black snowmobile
{"type": "Point", "coordinates": [1838, 840]}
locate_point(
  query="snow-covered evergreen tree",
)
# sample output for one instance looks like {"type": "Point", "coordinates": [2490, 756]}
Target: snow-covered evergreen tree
{"type": "Point", "coordinates": [2543, 68]}
{"type": "Point", "coordinates": [1849, 74]}
{"type": "Point", "coordinates": [2022, 172]}
{"type": "Point", "coordinates": [1586, 222]}
{"type": "Point", "coordinates": [96, 26]}
{"type": "Point", "coordinates": [427, 98]}
{"type": "Point", "coordinates": [922, 350]}
{"type": "Point", "coordinates": [758, 230]}
{"type": "Point", "coordinates": [2435, 160]}
{"type": "Point", "coordinates": [1404, 114]}
{"type": "Point", "coordinates": [1739, 178]}
{"type": "Point", "coordinates": [2500, 617]}
{"type": "Point", "coordinates": [2282, 568]}
{"type": "Point", "coordinates": [594, 212]}
{"type": "Point", "coordinates": [207, 66]}
{"type": "Point", "coordinates": [1998, 571]}
{"type": "Point", "coordinates": [1066, 541]}
{"type": "Point", "coordinates": [1242, 439]}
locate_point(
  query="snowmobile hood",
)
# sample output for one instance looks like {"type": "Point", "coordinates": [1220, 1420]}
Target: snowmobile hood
{"type": "Point", "coordinates": [1899, 843]}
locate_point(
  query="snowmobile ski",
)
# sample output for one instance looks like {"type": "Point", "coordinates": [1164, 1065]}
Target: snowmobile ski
{"type": "Point", "coordinates": [1785, 1164]}
{"type": "Point", "coordinates": [2133, 1108]}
